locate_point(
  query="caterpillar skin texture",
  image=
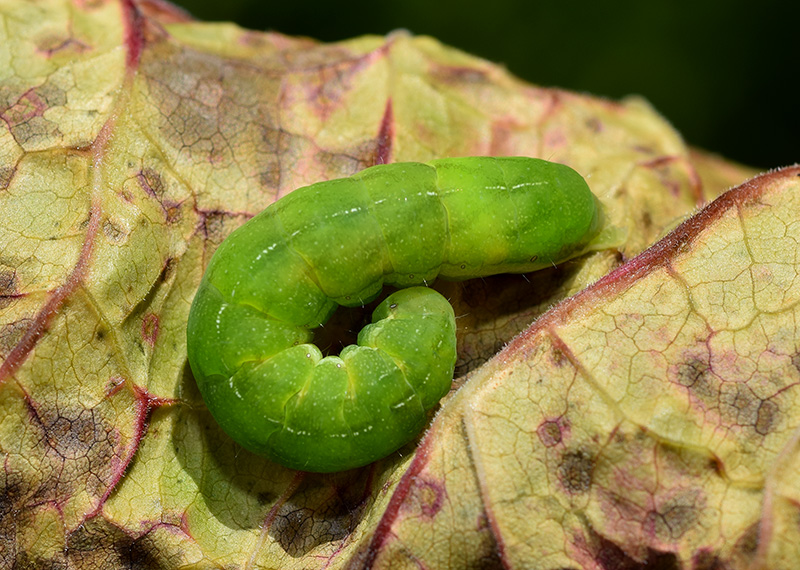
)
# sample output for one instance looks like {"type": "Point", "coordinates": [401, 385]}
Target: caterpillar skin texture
{"type": "Point", "coordinates": [284, 272]}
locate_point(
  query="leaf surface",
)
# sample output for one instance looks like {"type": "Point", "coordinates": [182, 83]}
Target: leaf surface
{"type": "Point", "coordinates": [651, 418]}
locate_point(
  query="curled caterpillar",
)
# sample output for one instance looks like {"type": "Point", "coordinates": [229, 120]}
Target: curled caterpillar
{"type": "Point", "coordinates": [284, 272]}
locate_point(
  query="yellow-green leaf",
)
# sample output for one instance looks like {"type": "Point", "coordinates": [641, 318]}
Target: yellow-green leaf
{"type": "Point", "coordinates": [652, 418]}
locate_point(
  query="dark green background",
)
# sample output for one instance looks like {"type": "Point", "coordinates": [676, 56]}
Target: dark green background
{"type": "Point", "coordinates": [724, 73]}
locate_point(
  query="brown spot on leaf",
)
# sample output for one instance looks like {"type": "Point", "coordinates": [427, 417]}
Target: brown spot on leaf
{"type": "Point", "coordinates": [767, 417]}
{"type": "Point", "coordinates": [738, 405]}
{"type": "Point", "coordinates": [172, 211]}
{"type": "Point", "coordinates": [51, 44]}
{"type": "Point", "coordinates": [646, 221]}
{"type": "Point", "coordinates": [100, 544]}
{"type": "Point", "coordinates": [150, 324]}
{"type": "Point", "coordinates": [6, 176]}
{"type": "Point", "coordinates": [25, 119]}
{"type": "Point", "coordinates": [8, 282]}
{"type": "Point", "coordinates": [13, 489]}
{"type": "Point", "coordinates": [673, 520]}
{"type": "Point", "coordinates": [265, 498]}
{"type": "Point", "coordinates": [695, 374]}
{"type": "Point", "coordinates": [269, 177]}
{"type": "Point", "coordinates": [692, 372]}
{"type": "Point", "coordinates": [575, 471]}
{"type": "Point", "coordinates": [595, 125]}
{"type": "Point", "coordinates": [558, 358]}
{"type": "Point", "coordinates": [73, 437]}
{"type": "Point", "coordinates": [549, 433]}
{"type": "Point", "coordinates": [82, 447]}
{"type": "Point", "coordinates": [52, 94]}
{"type": "Point", "coordinates": [151, 183]}
{"type": "Point", "coordinates": [429, 496]}
{"type": "Point", "coordinates": [12, 333]}
{"type": "Point", "coordinates": [114, 233]}
{"type": "Point", "coordinates": [796, 361]}
{"type": "Point", "coordinates": [213, 226]}
{"type": "Point", "coordinates": [747, 544]}
{"type": "Point", "coordinates": [458, 74]}
{"type": "Point", "coordinates": [168, 270]}
{"type": "Point", "coordinates": [716, 466]}
{"type": "Point", "coordinates": [25, 108]}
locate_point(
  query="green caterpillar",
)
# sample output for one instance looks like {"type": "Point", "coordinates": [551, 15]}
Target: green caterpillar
{"type": "Point", "coordinates": [284, 272]}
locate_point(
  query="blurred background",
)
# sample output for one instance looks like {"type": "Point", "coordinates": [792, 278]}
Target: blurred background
{"type": "Point", "coordinates": [724, 73]}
